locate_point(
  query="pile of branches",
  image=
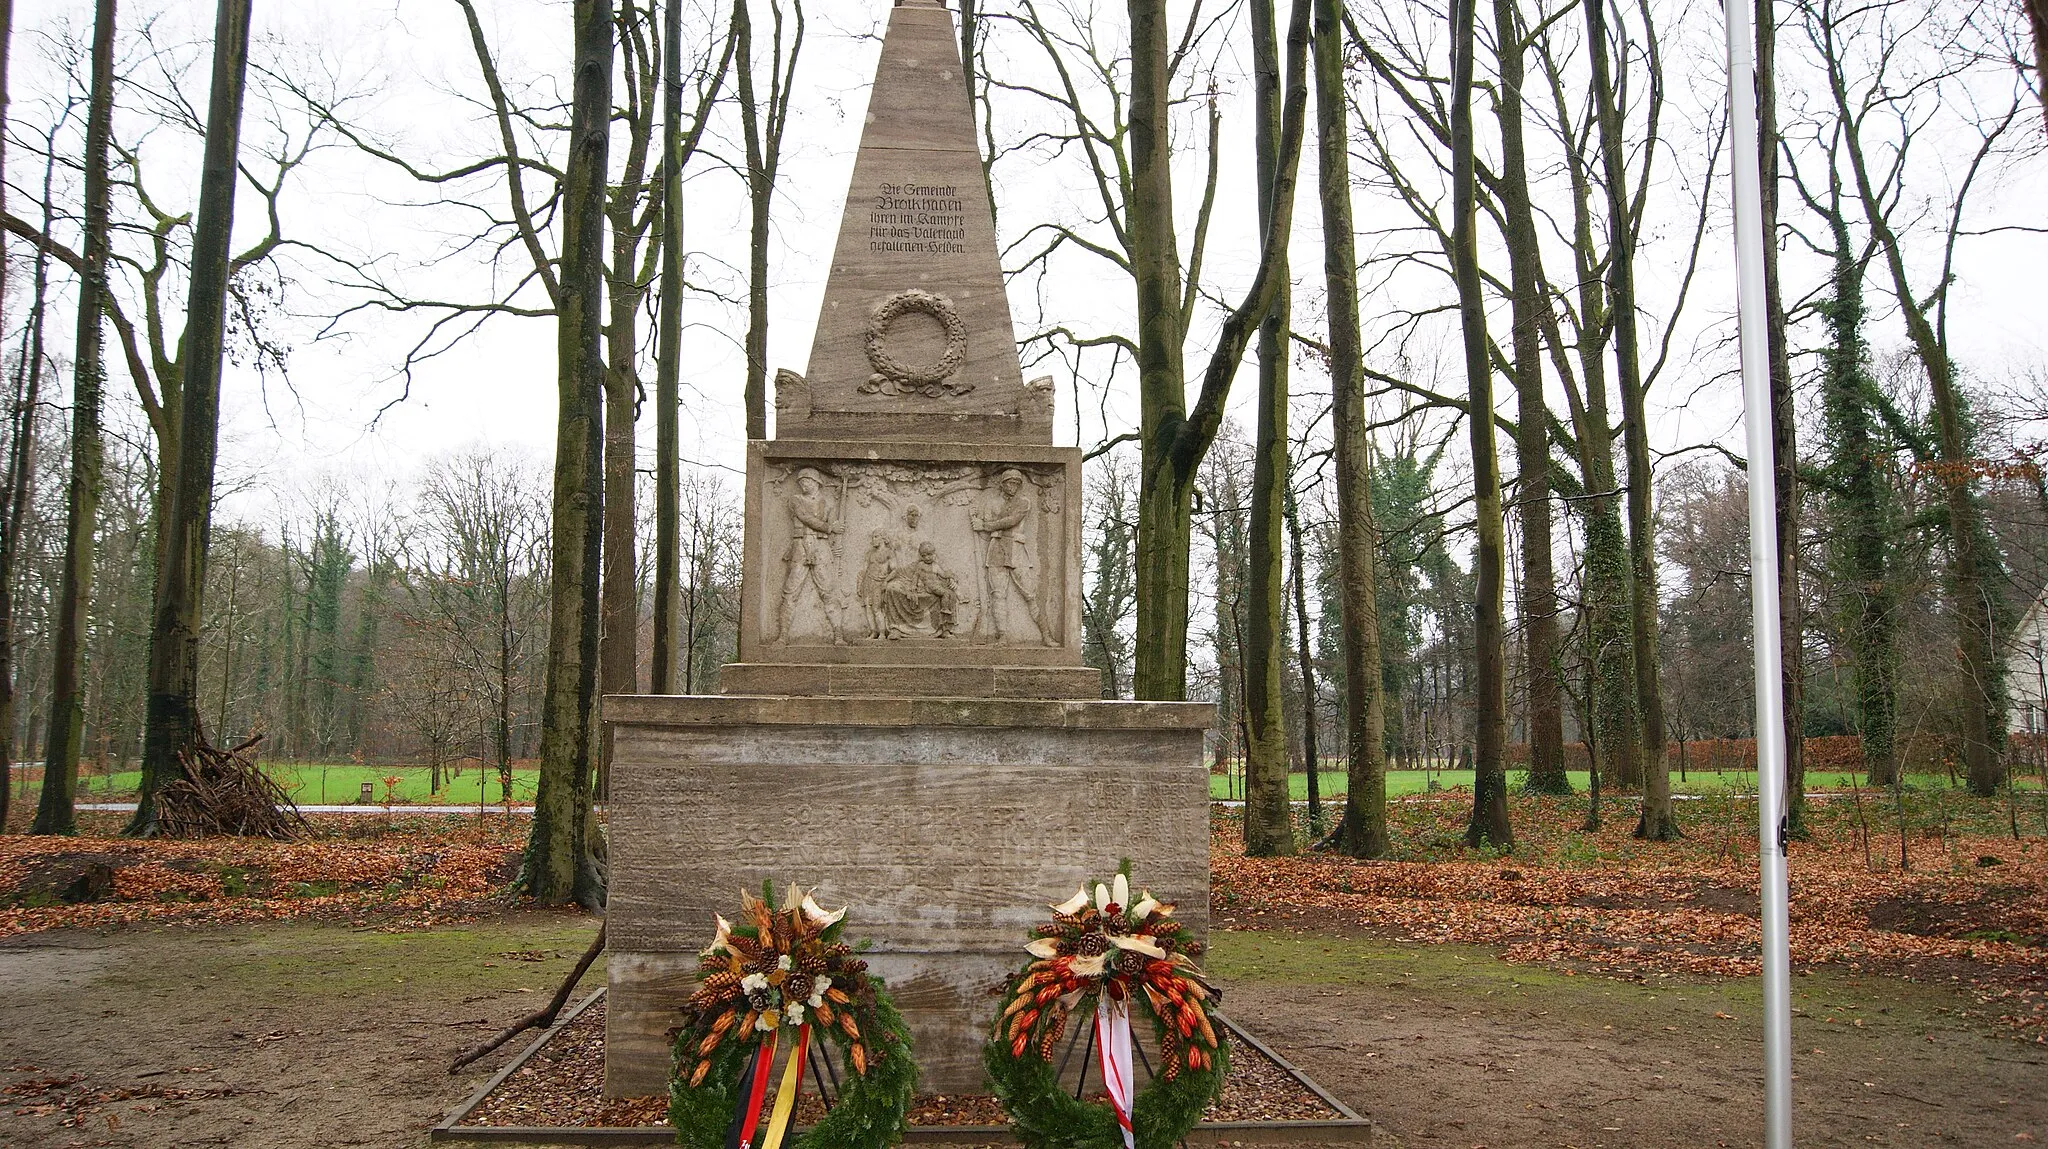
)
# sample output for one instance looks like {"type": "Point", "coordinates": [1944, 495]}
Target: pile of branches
{"type": "Point", "coordinates": [225, 792]}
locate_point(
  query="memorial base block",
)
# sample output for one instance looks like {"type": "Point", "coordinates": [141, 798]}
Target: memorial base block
{"type": "Point", "coordinates": [945, 824]}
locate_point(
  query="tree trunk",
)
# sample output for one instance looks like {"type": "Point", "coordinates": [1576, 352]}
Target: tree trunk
{"type": "Point", "coordinates": [668, 363]}
{"type": "Point", "coordinates": [54, 810]}
{"type": "Point", "coordinates": [1784, 432]}
{"type": "Point", "coordinates": [619, 610]}
{"type": "Point", "coordinates": [761, 125]}
{"type": "Point", "coordinates": [1165, 487]}
{"type": "Point", "coordinates": [756, 388]}
{"type": "Point", "coordinates": [1363, 831]}
{"type": "Point", "coordinates": [1604, 583]}
{"type": "Point", "coordinates": [1489, 631]}
{"type": "Point", "coordinates": [1268, 809]}
{"type": "Point", "coordinates": [1305, 659]}
{"type": "Point", "coordinates": [21, 464]}
{"type": "Point", "coordinates": [505, 640]}
{"type": "Point", "coordinates": [1173, 436]}
{"type": "Point", "coordinates": [1657, 822]}
{"type": "Point", "coordinates": [562, 862]}
{"type": "Point", "coordinates": [1532, 428]}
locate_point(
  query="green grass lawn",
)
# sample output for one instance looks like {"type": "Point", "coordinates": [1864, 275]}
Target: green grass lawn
{"type": "Point", "coordinates": [340, 783]}
{"type": "Point", "coordinates": [1400, 782]}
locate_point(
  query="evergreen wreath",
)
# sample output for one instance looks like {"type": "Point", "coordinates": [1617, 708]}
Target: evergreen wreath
{"type": "Point", "coordinates": [1137, 957]}
{"type": "Point", "coordinates": [781, 970]}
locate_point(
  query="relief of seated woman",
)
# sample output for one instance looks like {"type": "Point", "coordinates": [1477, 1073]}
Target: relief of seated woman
{"type": "Point", "coordinates": [921, 599]}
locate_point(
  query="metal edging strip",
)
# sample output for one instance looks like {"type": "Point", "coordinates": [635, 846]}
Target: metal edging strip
{"type": "Point", "coordinates": [1322, 1094]}
{"type": "Point", "coordinates": [446, 1129]}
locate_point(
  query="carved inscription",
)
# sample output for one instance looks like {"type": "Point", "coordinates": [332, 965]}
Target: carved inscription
{"type": "Point", "coordinates": [916, 218]}
{"type": "Point", "coordinates": [875, 552]}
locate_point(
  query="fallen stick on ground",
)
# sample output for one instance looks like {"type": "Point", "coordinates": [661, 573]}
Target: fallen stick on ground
{"type": "Point", "coordinates": [539, 1017]}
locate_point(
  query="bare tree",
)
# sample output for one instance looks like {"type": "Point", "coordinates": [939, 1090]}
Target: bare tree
{"type": "Point", "coordinates": [1784, 431]}
{"type": "Point", "coordinates": [1110, 551]}
{"type": "Point", "coordinates": [1268, 819]}
{"type": "Point", "coordinates": [1173, 436]}
{"type": "Point", "coordinates": [562, 862]}
{"type": "Point", "coordinates": [19, 492]}
{"type": "Point", "coordinates": [54, 808]}
{"type": "Point", "coordinates": [173, 710]}
{"type": "Point", "coordinates": [1657, 822]}
{"type": "Point", "coordinates": [1538, 598]}
{"type": "Point", "coordinates": [1489, 784]}
{"type": "Point", "coordinates": [677, 146]}
{"type": "Point", "coordinates": [763, 124]}
{"type": "Point", "coordinates": [1362, 832]}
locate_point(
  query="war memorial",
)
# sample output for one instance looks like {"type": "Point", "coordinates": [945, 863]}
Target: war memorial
{"type": "Point", "coordinates": [909, 727]}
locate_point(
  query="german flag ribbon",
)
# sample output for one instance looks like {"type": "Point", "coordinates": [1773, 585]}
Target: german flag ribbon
{"type": "Point", "coordinates": [1113, 1038]}
{"type": "Point", "coordinates": [753, 1087]}
{"type": "Point", "coordinates": [785, 1094]}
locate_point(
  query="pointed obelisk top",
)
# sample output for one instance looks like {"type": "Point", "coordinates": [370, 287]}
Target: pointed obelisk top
{"type": "Point", "coordinates": [914, 340]}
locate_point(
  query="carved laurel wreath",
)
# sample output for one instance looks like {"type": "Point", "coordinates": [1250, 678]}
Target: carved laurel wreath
{"type": "Point", "coordinates": [894, 377]}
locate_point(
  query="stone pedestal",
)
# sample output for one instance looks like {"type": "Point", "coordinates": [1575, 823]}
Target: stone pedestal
{"type": "Point", "coordinates": [946, 824]}
{"type": "Point", "coordinates": [904, 727]}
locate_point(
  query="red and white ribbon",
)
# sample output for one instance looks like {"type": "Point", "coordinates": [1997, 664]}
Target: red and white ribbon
{"type": "Point", "coordinates": [1113, 1038]}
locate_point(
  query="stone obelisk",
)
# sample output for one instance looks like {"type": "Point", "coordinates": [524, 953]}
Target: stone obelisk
{"type": "Point", "coordinates": [910, 725]}
{"type": "Point", "coordinates": [913, 427]}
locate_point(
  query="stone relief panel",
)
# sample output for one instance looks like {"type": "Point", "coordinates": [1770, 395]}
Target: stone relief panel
{"type": "Point", "coordinates": [862, 552]}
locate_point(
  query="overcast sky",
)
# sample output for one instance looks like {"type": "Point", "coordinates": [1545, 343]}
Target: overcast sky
{"type": "Point", "coordinates": [413, 85]}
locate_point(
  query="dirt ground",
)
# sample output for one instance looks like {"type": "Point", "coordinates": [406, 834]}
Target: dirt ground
{"type": "Point", "coordinates": [1446, 1046]}
{"type": "Point", "coordinates": [286, 1034]}
{"type": "Point", "coordinates": [305, 1034]}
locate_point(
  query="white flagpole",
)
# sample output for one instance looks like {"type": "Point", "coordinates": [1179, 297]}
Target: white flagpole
{"type": "Point", "coordinates": [1763, 581]}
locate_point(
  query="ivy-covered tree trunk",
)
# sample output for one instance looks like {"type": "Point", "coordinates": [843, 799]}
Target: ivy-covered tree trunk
{"type": "Point", "coordinates": [55, 812]}
{"type": "Point", "coordinates": [1268, 808]}
{"type": "Point", "coordinates": [185, 523]}
{"type": "Point", "coordinates": [1657, 822]}
{"type": "Point", "coordinates": [1539, 600]}
{"type": "Point", "coordinates": [1863, 512]}
{"type": "Point", "coordinates": [1489, 823]}
{"type": "Point", "coordinates": [1975, 570]}
{"type": "Point", "coordinates": [562, 862]}
{"type": "Point", "coordinates": [1604, 580]}
{"type": "Point", "coordinates": [1362, 832]}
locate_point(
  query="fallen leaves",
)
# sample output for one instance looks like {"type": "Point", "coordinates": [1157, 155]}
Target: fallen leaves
{"type": "Point", "coordinates": [421, 877]}
{"type": "Point", "coordinates": [1600, 902]}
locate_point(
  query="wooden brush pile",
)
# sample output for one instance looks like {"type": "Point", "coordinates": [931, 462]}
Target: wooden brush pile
{"type": "Point", "coordinates": [225, 792]}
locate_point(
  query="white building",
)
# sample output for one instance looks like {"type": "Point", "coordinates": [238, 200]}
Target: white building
{"type": "Point", "coordinates": [2026, 670]}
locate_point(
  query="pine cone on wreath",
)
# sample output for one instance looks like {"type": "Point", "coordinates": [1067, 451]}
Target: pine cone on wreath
{"type": "Point", "coordinates": [798, 987]}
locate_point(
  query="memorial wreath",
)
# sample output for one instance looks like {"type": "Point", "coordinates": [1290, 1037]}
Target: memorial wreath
{"type": "Point", "coordinates": [784, 975]}
{"type": "Point", "coordinates": [1105, 959]}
